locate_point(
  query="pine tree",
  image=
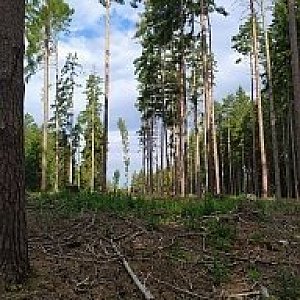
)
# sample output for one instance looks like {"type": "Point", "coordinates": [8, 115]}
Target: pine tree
{"type": "Point", "coordinates": [14, 265]}
{"type": "Point", "coordinates": [63, 122]}
{"type": "Point", "coordinates": [91, 124]}
{"type": "Point", "coordinates": [44, 21]}
{"type": "Point", "coordinates": [125, 143]}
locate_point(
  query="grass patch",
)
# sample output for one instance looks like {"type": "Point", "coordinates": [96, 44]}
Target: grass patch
{"type": "Point", "coordinates": [219, 271]}
{"type": "Point", "coordinates": [159, 211]}
{"type": "Point", "coordinates": [154, 211]}
{"type": "Point", "coordinates": [288, 285]}
{"type": "Point", "coordinates": [254, 274]}
{"type": "Point", "coordinates": [221, 235]}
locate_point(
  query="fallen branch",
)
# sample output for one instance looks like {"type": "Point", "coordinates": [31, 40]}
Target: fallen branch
{"type": "Point", "coordinates": [147, 294]}
{"type": "Point", "coordinates": [245, 294]}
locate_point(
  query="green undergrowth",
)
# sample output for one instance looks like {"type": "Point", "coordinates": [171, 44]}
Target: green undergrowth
{"type": "Point", "coordinates": [155, 211]}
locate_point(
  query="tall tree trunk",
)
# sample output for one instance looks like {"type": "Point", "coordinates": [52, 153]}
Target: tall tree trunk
{"type": "Point", "coordinates": [197, 182]}
{"type": "Point", "coordinates": [93, 149]}
{"type": "Point", "coordinates": [286, 143]}
{"type": "Point", "coordinates": [162, 165]}
{"type": "Point", "coordinates": [106, 94]}
{"type": "Point", "coordinates": [217, 188]}
{"type": "Point", "coordinates": [294, 157]}
{"type": "Point", "coordinates": [272, 108]}
{"type": "Point", "coordinates": [254, 135]}
{"type": "Point", "coordinates": [56, 184]}
{"type": "Point", "coordinates": [13, 239]}
{"type": "Point", "coordinates": [181, 127]}
{"type": "Point", "coordinates": [144, 160]}
{"type": "Point", "coordinates": [205, 97]}
{"type": "Point", "coordinates": [259, 105]}
{"type": "Point", "coordinates": [46, 102]}
{"type": "Point", "coordinates": [295, 74]}
{"type": "Point", "coordinates": [78, 164]}
{"type": "Point", "coordinates": [230, 188]}
{"type": "Point", "coordinates": [151, 150]}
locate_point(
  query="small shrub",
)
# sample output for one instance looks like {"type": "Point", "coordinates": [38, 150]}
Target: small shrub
{"type": "Point", "coordinates": [219, 271]}
{"type": "Point", "coordinates": [254, 274]}
{"type": "Point", "coordinates": [221, 236]}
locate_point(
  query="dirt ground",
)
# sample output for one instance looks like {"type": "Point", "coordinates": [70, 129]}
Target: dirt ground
{"type": "Point", "coordinates": [248, 256]}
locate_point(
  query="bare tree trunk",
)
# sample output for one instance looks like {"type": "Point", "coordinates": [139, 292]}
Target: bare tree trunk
{"type": "Point", "coordinates": [162, 165]}
{"type": "Point", "coordinates": [197, 182]}
{"type": "Point", "coordinates": [14, 263]}
{"type": "Point", "coordinates": [144, 162]}
{"type": "Point", "coordinates": [93, 149]}
{"type": "Point", "coordinates": [106, 94]}
{"type": "Point", "coordinates": [150, 153]}
{"type": "Point", "coordinates": [294, 157]}
{"type": "Point", "coordinates": [56, 184]}
{"type": "Point", "coordinates": [217, 188]}
{"type": "Point", "coordinates": [46, 103]}
{"type": "Point", "coordinates": [272, 108]}
{"type": "Point", "coordinates": [286, 142]}
{"type": "Point", "coordinates": [216, 155]}
{"type": "Point", "coordinates": [230, 189]}
{"type": "Point", "coordinates": [295, 74]}
{"type": "Point", "coordinates": [205, 96]}
{"type": "Point", "coordinates": [181, 127]}
{"type": "Point", "coordinates": [259, 105]}
{"type": "Point", "coordinates": [78, 164]}
{"type": "Point", "coordinates": [176, 161]}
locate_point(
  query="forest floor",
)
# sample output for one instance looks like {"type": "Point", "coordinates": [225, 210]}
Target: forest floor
{"type": "Point", "coordinates": [251, 251]}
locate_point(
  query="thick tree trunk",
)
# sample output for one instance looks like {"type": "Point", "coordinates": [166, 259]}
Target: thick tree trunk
{"type": "Point", "coordinates": [217, 188]}
{"type": "Point", "coordinates": [13, 240]}
{"type": "Point", "coordinates": [205, 97]}
{"type": "Point", "coordinates": [259, 105]}
{"type": "Point", "coordinates": [254, 135]}
{"type": "Point", "coordinates": [272, 108]}
{"type": "Point", "coordinates": [296, 75]}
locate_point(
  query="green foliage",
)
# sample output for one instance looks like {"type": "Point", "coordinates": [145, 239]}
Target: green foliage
{"type": "Point", "coordinates": [254, 274]}
{"type": "Point", "coordinates": [55, 15]}
{"type": "Point", "coordinates": [116, 180]}
{"type": "Point", "coordinates": [176, 252]}
{"type": "Point", "coordinates": [154, 211]}
{"type": "Point", "coordinates": [287, 285]}
{"type": "Point", "coordinates": [221, 235]}
{"type": "Point", "coordinates": [219, 271]}
{"type": "Point", "coordinates": [32, 153]}
{"type": "Point", "coordinates": [63, 116]}
{"type": "Point", "coordinates": [125, 142]}
{"type": "Point", "coordinates": [90, 121]}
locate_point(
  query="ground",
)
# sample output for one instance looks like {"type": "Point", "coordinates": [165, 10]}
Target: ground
{"type": "Point", "coordinates": [249, 252]}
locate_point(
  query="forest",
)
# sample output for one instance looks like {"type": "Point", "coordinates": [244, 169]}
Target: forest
{"type": "Point", "coordinates": [208, 205]}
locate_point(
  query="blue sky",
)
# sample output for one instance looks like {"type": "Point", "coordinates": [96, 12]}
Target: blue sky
{"type": "Point", "coordinates": [87, 39]}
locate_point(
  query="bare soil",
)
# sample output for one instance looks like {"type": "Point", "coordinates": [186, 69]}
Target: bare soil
{"type": "Point", "coordinates": [246, 258]}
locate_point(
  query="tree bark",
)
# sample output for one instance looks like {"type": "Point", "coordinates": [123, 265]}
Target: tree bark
{"type": "Point", "coordinates": [14, 264]}
{"type": "Point", "coordinates": [56, 185]}
{"type": "Point", "coordinates": [106, 93]}
{"type": "Point", "coordinates": [263, 158]}
{"type": "Point", "coordinates": [46, 103]}
{"type": "Point", "coordinates": [295, 74]}
{"type": "Point", "coordinates": [272, 108]}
